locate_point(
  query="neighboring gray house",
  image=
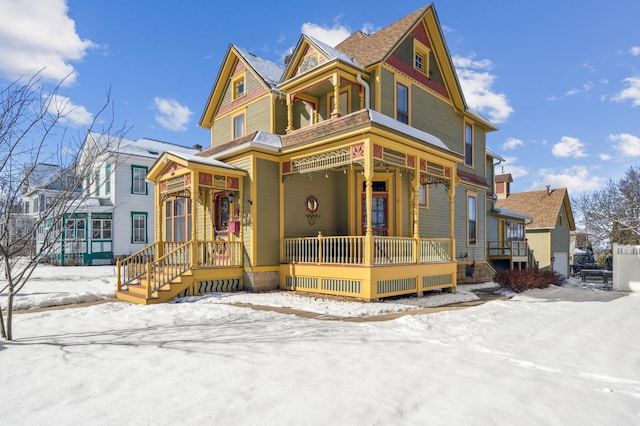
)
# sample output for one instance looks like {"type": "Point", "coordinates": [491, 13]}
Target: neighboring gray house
{"type": "Point", "coordinates": [115, 216]}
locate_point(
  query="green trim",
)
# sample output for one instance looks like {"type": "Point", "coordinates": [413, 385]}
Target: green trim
{"type": "Point", "coordinates": [146, 186]}
{"type": "Point", "coordinates": [107, 179]}
{"type": "Point", "coordinates": [146, 227]}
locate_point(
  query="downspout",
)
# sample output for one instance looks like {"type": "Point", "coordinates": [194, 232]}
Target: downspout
{"type": "Point", "coordinates": [366, 90]}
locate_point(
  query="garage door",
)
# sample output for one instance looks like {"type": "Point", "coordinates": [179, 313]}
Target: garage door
{"type": "Point", "coordinates": [561, 263]}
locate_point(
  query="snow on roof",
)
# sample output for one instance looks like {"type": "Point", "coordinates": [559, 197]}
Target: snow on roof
{"type": "Point", "coordinates": [379, 118]}
{"type": "Point", "coordinates": [332, 52]}
{"type": "Point", "coordinates": [42, 174]}
{"type": "Point", "coordinates": [202, 160]}
{"type": "Point", "coordinates": [143, 147]}
{"type": "Point", "coordinates": [493, 154]}
{"type": "Point", "coordinates": [269, 71]}
{"type": "Point", "coordinates": [505, 212]}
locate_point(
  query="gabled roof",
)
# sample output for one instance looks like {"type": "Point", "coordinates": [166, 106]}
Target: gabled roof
{"type": "Point", "coordinates": [143, 147]}
{"type": "Point", "coordinates": [42, 174]}
{"type": "Point", "coordinates": [543, 206]}
{"type": "Point", "coordinates": [269, 73]}
{"type": "Point", "coordinates": [369, 49]}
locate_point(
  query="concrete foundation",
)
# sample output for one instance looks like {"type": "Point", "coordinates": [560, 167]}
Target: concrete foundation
{"type": "Point", "coordinates": [261, 281]}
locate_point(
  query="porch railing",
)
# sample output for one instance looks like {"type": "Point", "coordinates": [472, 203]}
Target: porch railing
{"type": "Point", "coordinates": [219, 253]}
{"type": "Point", "coordinates": [516, 248]}
{"type": "Point", "coordinates": [341, 250]}
{"type": "Point", "coordinates": [389, 250]}
{"type": "Point", "coordinates": [134, 266]}
{"type": "Point", "coordinates": [435, 250]}
{"type": "Point", "coordinates": [349, 250]}
{"type": "Point", "coordinates": [168, 267]}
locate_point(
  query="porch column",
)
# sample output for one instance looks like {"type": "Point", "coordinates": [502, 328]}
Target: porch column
{"type": "Point", "coordinates": [195, 192]}
{"type": "Point", "coordinates": [336, 96]}
{"type": "Point", "coordinates": [158, 209]}
{"type": "Point", "coordinates": [289, 113]}
{"type": "Point", "coordinates": [416, 212]}
{"type": "Point", "coordinates": [452, 233]}
{"type": "Point", "coordinates": [368, 178]}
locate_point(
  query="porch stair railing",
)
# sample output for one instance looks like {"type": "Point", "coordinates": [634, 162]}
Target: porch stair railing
{"type": "Point", "coordinates": [141, 278]}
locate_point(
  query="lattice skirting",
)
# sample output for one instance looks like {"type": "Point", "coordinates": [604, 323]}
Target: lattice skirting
{"type": "Point", "coordinates": [232, 284]}
{"type": "Point", "coordinates": [392, 286]}
{"type": "Point", "coordinates": [436, 280]}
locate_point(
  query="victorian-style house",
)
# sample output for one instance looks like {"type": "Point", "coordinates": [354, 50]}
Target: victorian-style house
{"type": "Point", "coordinates": [356, 170]}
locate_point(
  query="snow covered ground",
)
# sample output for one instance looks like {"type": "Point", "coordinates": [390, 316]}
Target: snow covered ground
{"type": "Point", "coordinates": [565, 355]}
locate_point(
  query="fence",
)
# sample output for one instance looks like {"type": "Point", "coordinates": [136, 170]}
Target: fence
{"type": "Point", "coordinates": [626, 268]}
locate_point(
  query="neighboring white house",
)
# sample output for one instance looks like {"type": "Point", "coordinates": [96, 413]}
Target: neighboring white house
{"type": "Point", "coordinates": [115, 217]}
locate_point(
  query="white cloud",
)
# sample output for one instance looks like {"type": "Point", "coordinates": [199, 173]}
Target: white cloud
{"type": "Point", "coordinates": [585, 88]}
{"type": "Point", "coordinates": [510, 166]}
{"type": "Point", "coordinates": [568, 147]}
{"type": "Point", "coordinates": [171, 114]}
{"type": "Point", "coordinates": [575, 179]}
{"type": "Point", "coordinates": [627, 144]}
{"type": "Point", "coordinates": [605, 157]}
{"type": "Point", "coordinates": [76, 115]}
{"type": "Point", "coordinates": [39, 35]}
{"type": "Point", "coordinates": [329, 35]}
{"type": "Point", "coordinates": [632, 92]}
{"type": "Point", "coordinates": [512, 143]}
{"type": "Point", "coordinates": [477, 84]}
{"type": "Point", "coordinates": [635, 50]}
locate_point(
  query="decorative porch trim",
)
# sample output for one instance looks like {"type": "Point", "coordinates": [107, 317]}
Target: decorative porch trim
{"type": "Point", "coordinates": [396, 285]}
{"type": "Point", "coordinates": [436, 280]}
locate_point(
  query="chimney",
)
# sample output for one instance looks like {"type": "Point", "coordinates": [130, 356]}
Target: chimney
{"type": "Point", "coordinates": [548, 189]}
{"type": "Point", "coordinates": [503, 185]}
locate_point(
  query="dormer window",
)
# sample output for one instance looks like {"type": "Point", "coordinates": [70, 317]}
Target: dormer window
{"type": "Point", "coordinates": [238, 88]}
{"type": "Point", "coordinates": [421, 57]}
{"type": "Point", "coordinates": [419, 62]}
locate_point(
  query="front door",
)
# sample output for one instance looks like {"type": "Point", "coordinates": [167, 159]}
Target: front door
{"type": "Point", "coordinates": [379, 210]}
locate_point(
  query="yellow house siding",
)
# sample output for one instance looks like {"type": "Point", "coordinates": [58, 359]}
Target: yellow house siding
{"type": "Point", "coordinates": [539, 242]}
{"type": "Point", "coordinates": [302, 115]}
{"type": "Point", "coordinates": [434, 221]}
{"type": "Point", "coordinates": [268, 216]}
{"type": "Point", "coordinates": [432, 115]}
{"type": "Point", "coordinates": [387, 93]}
{"type": "Point", "coordinates": [258, 115]}
{"type": "Point", "coordinates": [221, 130]}
{"type": "Point", "coordinates": [332, 205]}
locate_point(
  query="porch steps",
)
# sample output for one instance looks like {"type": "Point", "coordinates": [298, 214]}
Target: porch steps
{"type": "Point", "coordinates": [137, 292]}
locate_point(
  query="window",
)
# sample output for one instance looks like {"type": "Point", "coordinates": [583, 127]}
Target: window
{"type": "Point", "coordinates": [138, 180]}
{"type": "Point", "coordinates": [26, 207]}
{"type": "Point", "coordinates": [421, 57]}
{"type": "Point", "coordinates": [222, 208]}
{"type": "Point", "coordinates": [107, 179]}
{"type": "Point", "coordinates": [238, 88]}
{"type": "Point", "coordinates": [74, 229]}
{"type": "Point", "coordinates": [468, 144]}
{"type": "Point", "coordinates": [419, 62]}
{"type": "Point", "coordinates": [423, 195]}
{"type": "Point", "coordinates": [402, 103]}
{"type": "Point", "coordinates": [96, 181]}
{"type": "Point", "coordinates": [178, 219]}
{"type": "Point", "coordinates": [515, 231]}
{"type": "Point", "coordinates": [238, 126]}
{"type": "Point", "coordinates": [138, 228]}
{"type": "Point", "coordinates": [472, 212]}
{"type": "Point", "coordinates": [101, 229]}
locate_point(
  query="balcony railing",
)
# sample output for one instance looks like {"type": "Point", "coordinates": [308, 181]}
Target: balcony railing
{"type": "Point", "coordinates": [350, 250]}
{"type": "Point", "coordinates": [514, 248]}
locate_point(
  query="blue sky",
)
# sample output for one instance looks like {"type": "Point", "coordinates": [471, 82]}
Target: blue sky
{"type": "Point", "coordinates": [560, 78]}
